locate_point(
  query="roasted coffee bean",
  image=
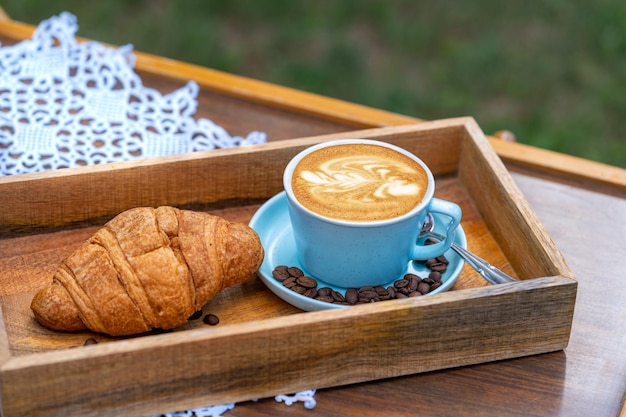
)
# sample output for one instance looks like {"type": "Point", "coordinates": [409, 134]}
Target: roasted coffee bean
{"type": "Point", "coordinates": [368, 293]}
{"type": "Point", "coordinates": [294, 271]}
{"type": "Point", "coordinates": [401, 283]}
{"type": "Point", "coordinates": [393, 292]}
{"type": "Point", "coordinates": [311, 293]}
{"type": "Point", "coordinates": [352, 296]}
{"type": "Point", "coordinates": [280, 274]}
{"type": "Point", "coordinates": [443, 259]}
{"type": "Point", "coordinates": [324, 291]}
{"type": "Point", "coordinates": [290, 282]}
{"type": "Point", "coordinates": [306, 282]}
{"type": "Point", "coordinates": [90, 341]}
{"type": "Point", "coordinates": [367, 296]}
{"type": "Point", "coordinates": [411, 285]}
{"type": "Point", "coordinates": [325, 298]}
{"type": "Point", "coordinates": [337, 296]}
{"type": "Point", "coordinates": [404, 290]}
{"type": "Point", "coordinates": [299, 289]}
{"type": "Point", "coordinates": [211, 319]}
{"type": "Point", "coordinates": [435, 276]}
{"type": "Point", "coordinates": [430, 262]}
{"type": "Point", "coordinates": [423, 287]}
{"type": "Point", "coordinates": [381, 291]}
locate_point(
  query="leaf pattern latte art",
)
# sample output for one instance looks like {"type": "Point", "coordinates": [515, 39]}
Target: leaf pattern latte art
{"type": "Point", "coordinates": [360, 179]}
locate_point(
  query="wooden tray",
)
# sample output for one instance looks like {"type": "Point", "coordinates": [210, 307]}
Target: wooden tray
{"type": "Point", "coordinates": [262, 345]}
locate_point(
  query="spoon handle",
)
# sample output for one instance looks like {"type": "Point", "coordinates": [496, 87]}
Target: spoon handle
{"type": "Point", "coordinates": [489, 272]}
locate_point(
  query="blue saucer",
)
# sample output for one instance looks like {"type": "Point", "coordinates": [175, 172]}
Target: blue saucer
{"type": "Point", "coordinates": [272, 224]}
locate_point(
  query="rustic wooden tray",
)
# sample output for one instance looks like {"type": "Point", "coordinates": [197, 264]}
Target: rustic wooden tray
{"type": "Point", "coordinates": [264, 346]}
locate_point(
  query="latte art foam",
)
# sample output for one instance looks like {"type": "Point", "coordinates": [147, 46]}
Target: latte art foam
{"type": "Point", "coordinates": [359, 182]}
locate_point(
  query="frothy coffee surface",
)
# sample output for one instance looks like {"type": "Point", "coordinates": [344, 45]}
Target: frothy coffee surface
{"type": "Point", "coordinates": [359, 182]}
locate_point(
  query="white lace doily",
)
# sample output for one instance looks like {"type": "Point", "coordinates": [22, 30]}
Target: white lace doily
{"type": "Point", "coordinates": [307, 397]}
{"type": "Point", "coordinates": [66, 104]}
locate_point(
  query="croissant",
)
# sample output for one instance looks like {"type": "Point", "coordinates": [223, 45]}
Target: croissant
{"type": "Point", "coordinates": [147, 268]}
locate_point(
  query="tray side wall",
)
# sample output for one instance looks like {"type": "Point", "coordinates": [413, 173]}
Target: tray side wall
{"type": "Point", "coordinates": [292, 353]}
{"type": "Point", "coordinates": [523, 239]}
{"type": "Point", "coordinates": [72, 196]}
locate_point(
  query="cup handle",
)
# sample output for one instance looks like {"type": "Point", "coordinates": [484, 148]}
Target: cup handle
{"type": "Point", "coordinates": [451, 210]}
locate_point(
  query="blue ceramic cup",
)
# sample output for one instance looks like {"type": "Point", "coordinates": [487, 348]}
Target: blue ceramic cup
{"type": "Point", "coordinates": [352, 253]}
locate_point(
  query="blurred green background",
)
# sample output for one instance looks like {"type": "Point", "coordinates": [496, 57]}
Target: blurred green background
{"type": "Point", "coordinates": [552, 72]}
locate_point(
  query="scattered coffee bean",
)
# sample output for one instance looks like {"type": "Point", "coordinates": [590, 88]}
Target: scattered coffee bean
{"type": "Point", "coordinates": [404, 290]}
{"type": "Point", "coordinates": [299, 289]}
{"type": "Point", "coordinates": [352, 296]}
{"type": "Point", "coordinates": [392, 291]}
{"type": "Point", "coordinates": [311, 293]}
{"type": "Point", "coordinates": [337, 296]}
{"type": "Point", "coordinates": [401, 283]}
{"type": "Point", "coordinates": [443, 259]}
{"type": "Point", "coordinates": [324, 291]}
{"type": "Point", "coordinates": [290, 282]}
{"type": "Point", "coordinates": [306, 282]}
{"type": "Point", "coordinates": [281, 273]}
{"type": "Point", "coordinates": [295, 271]}
{"type": "Point", "coordinates": [91, 341]}
{"type": "Point", "coordinates": [211, 319]}
{"type": "Point", "coordinates": [439, 267]}
{"type": "Point", "coordinates": [435, 276]}
{"type": "Point", "coordinates": [410, 285]}
{"type": "Point", "coordinates": [423, 287]}
{"type": "Point", "coordinates": [430, 262]}
{"type": "Point", "coordinates": [368, 295]}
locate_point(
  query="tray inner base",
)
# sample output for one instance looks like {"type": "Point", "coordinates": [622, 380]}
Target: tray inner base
{"type": "Point", "coordinates": [28, 262]}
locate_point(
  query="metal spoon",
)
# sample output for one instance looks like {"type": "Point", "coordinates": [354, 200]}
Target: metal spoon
{"type": "Point", "coordinates": [489, 272]}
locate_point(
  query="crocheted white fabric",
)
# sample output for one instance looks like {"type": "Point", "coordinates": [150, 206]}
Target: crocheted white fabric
{"type": "Point", "coordinates": [67, 104]}
{"type": "Point", "coordinates": [307, 397]}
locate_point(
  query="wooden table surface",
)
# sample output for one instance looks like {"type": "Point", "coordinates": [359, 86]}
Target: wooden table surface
{"type": "Point", "coordinates": [581, 204]}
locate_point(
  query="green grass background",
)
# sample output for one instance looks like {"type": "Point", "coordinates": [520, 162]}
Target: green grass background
{"type": "Point", "coordinates": [552, 72]}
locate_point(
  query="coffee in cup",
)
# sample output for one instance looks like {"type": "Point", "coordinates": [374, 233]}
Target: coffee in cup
{"type": "Point", "coordinates": [358, 182]}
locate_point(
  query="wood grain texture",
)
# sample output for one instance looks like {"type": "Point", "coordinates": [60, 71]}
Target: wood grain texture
{"type": "Point", "coordinates": [588, 378]}
{"type": "Point", "coordinates": [487, 182]}
{"type": "Point", "coordinates": [317, 346]}
{"type": "Point", "coordinates": [44, 200]}
{"type": "Point", "coordinates": [262, 336]}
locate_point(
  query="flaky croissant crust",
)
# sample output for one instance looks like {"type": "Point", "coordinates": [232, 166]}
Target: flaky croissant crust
{"type": "Point", "coordinates": [147, 268]}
